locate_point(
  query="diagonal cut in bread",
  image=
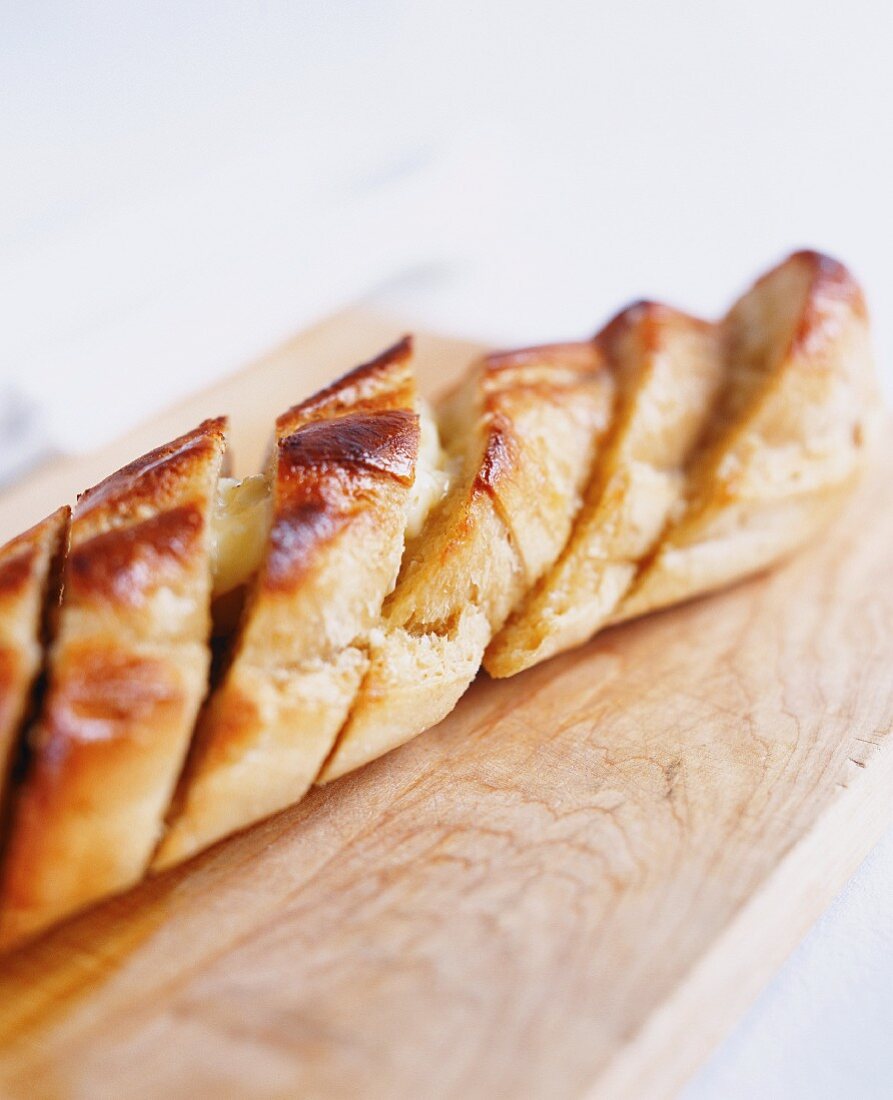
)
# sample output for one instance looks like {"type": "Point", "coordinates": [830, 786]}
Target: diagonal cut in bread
{"type": "Point", "coordinates": [668, 367]}
{"type": "Point", "coordinates": [126, 675]}
{"type": "Point", "coordinates": [786, 440]}
{"type": "Point", "coordinates": [521, 433]}
{"type": "Point", "coordinates": [344, 471]}
{"type": "Point", "coordinates": [30, 582]}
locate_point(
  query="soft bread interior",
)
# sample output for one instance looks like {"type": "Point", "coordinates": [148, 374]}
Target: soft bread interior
{"type": "Point", "coordinates": [432, 476]}
{"type": "Point", "coordinates": [243, 512]}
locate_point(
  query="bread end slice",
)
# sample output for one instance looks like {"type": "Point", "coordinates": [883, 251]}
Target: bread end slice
{"type": "Point", "coordinates": [666, 367]}
{"type": "Point", "coordinates": [786, 440]}
{"type": "Point", "coordinates": [126, 675]}
{"type": "Point", "coordinates": [30, 582]}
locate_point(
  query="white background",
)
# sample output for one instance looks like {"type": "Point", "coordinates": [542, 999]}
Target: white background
{"type": "Point", "coordinates": [184, 184]}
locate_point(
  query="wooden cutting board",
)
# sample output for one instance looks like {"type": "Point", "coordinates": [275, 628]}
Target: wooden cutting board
{"type": "Point", "coordinates": [572, 886]}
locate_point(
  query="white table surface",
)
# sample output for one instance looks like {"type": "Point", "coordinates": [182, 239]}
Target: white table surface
{"type": "Point", "coordinates": [184, 185]}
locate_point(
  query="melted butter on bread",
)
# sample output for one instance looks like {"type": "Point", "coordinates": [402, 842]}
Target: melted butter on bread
{"type": "Point", "coordinates": [243, 511]}
{"type": "Point", "coordinates": [240, 525]}
{"type": "Point", "coordinates": [432, 477]}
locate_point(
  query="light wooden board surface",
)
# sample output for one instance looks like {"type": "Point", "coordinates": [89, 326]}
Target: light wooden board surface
{"type": "Point", "coordinates": [573, 886]}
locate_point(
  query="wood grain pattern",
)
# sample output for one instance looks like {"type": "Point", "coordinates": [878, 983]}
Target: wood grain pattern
{"type": "Point", "coordinates": [572, 886]}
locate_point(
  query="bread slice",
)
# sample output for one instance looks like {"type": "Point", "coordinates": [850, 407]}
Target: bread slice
{"type": "Point", "coordinates": [786, 440]}
{"type": "Point", "coordinates": [344, 469]}
{"type": "Point", "coordinates": [127, 673]}
{"type": "Point", "coordinates": [668, 368]}
{"type": "Point", "coordinates": [30, 581]}
{"type": "Point", "coordinates": [520, 433]}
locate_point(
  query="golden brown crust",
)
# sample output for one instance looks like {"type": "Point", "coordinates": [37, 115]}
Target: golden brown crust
{"type": "Point", "coordinates": [667, 367]}
{"type": "Point", "coordinates": [785, 441]}
{"type": "Point", "coordinates": [29, 587]}
{"type": "Point", "coordinates": [154, 481]}
{"type": "Point", "coordinates": [523, 427]}
{"type": "Point", "coordinates": [15, 572]}
{"type": "Point", "coordinates": [344, 466]}
{"type": "Point", "coordinates": [323, 471]}
{"type": "Point", "coordinates": [127, 673]}
{"type": "Point", "coordinates": [380, 442]}
{"type": "Point", "coordinates": [38, 546]}
{"type": "Point", "coordinates": [383, 383]}
{"type": "Point", "coordinates": [122, 565]}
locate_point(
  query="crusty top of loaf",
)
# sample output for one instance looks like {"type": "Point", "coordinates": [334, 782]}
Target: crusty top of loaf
{"type": "Point", "coordinates": [19, 556]}
{"type": "Point", "coordinates": [144, 527]}
{"type": "Point", "coordinates": [30, 567]}
{"type": "Point", "coordinates": [330, 450]}
{"type": "Point", "coordinates": [150, 482]}
{"type": "Point", "coordinates": [380, 383]}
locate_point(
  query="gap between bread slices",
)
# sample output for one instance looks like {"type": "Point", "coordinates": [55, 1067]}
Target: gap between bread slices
{"type": "Point", "coordinates": [243, 512]}
{"type": "Point", "coordinates": [352, 471]}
